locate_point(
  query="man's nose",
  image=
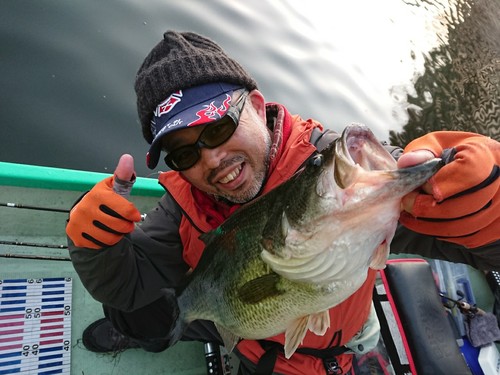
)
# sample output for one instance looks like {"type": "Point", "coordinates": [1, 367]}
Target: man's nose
{"type": "Point", "coordinates": [211, 158]}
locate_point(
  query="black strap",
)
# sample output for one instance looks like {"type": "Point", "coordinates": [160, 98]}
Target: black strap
{"type": "Point", "coordinates": [266, 363]}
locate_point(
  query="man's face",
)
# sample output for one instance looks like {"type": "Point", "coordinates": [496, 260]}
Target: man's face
{"type": "Point", "coordinates": [236, 169]}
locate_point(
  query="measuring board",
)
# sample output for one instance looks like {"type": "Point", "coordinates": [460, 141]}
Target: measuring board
{"type": "Point", "coordinates": [35, 326]}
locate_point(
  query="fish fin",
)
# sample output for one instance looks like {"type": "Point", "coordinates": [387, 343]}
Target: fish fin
{"type": "Point", "coordinates": [230, 340]}
{"type": "Point", "coordinates": [294, 335]}
{"type": "Point", "coordinates": [258, 289]}
{"type": "Point", "coordinates": [379, 257]}
{"type": "Point", "coordinates": [319, 322]}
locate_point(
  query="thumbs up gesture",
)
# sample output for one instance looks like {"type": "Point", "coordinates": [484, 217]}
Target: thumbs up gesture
{"type": "Point", "coordinates": [104, 215]}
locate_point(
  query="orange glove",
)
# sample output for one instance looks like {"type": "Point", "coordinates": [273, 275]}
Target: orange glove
{"type": "Point", "coordinates": [102, 217]}
{"type": "Point", "coordinates": [461, 202]}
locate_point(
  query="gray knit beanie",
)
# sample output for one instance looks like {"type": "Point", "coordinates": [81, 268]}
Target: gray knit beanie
{"type": "Point", "coordinates": [180, 61]}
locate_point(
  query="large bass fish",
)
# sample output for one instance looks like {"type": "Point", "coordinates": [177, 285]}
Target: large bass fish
{"type": "Point", "coordinates": [280, 262]}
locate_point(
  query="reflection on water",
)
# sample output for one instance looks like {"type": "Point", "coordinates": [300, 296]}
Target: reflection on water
{"type": "Point", "coordinates": [460, 87]}
{"type": "Point", "coordinates": [401, 66]}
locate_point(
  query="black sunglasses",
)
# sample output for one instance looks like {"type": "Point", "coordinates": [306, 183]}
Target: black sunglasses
{"type": "Point", "coordinates": [212, 136]}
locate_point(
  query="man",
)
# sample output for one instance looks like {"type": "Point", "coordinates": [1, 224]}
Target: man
{"type": "Point", "coordinates": [226, 146]}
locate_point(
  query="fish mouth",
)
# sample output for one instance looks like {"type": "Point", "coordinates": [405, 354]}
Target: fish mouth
{"type": "Point", "coordinates": [358, 151]}
{"type": "Point", "coordinates": [358, 147]}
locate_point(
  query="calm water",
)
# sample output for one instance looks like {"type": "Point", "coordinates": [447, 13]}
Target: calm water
{"type": "Point", "coordinates": [401, 67]}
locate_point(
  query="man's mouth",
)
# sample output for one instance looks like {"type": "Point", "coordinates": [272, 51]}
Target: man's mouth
{"type": "Point", "coordinates": [231, 175]}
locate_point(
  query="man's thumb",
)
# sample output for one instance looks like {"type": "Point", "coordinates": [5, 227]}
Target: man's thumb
{"type": "Point", "coordinates": [125, 168]}
{"type": "Point", "coordinates": [124, 175]}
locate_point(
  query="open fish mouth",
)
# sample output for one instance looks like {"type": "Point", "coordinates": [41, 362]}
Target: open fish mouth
{"type": "Point", "coordinates": [360, 146]}
{"type": "Point", "coordinates": [361, 160]}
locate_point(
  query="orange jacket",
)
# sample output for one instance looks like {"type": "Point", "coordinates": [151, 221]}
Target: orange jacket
{"type": "Point", "coordinates": [348, 317]}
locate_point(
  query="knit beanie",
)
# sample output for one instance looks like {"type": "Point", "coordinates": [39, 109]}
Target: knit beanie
{"type": "Point", "coordinates": [180, 61]}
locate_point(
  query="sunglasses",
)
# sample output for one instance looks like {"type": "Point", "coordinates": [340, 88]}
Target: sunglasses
{"type": "Point", "coordinates": [212, 136]}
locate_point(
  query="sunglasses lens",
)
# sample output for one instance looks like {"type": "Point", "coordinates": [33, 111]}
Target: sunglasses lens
{"type": "Point", "coordinates": [182, 158]}
{"type": "Point", "coordinates": [216, 134]}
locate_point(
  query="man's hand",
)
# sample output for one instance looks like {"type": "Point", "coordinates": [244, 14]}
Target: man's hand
{"type": "Point", "coordinates": [408, 160]}
{"type": "Point", "coordinates": [103, 216]}
{"type": "Point", "coordinates": [461, 202]}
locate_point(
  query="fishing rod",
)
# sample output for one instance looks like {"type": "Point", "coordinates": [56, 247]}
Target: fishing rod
{"type": "Point", "coordinates": [34, 257]}
{"type": "Point", "coordinates": [464, 307]}
{"type": "Point", "coordinates": [29, 207]}
{"type": "Point", "coordinates": [31, 244]}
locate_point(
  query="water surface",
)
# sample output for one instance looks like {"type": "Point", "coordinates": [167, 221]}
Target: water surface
{"type": "Point", "coordinates": [401, 67]}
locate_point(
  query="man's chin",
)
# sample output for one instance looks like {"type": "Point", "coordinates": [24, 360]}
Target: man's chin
{"type": "Point", "coordinates": [240, 197]}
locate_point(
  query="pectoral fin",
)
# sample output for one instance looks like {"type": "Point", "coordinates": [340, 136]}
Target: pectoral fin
{"type": "Point", "coordinates": [260, 288]}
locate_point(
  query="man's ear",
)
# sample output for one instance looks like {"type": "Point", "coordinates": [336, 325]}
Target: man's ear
{"type": "Point", "coordinates": [259, 103]}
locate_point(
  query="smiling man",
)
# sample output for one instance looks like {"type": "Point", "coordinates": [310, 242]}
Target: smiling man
{"type": "Point", "coordinates": [237, 178]}
{"type": "Point", "coordinates": [226, 146]}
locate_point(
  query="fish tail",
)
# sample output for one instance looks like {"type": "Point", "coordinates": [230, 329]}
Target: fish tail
{"type": "Point", "coordinates": [177, 324]}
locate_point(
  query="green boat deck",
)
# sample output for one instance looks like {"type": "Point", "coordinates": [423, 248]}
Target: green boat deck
{"type": "Point", "coordinates": [34, 204]}
{"type": "Point", "coordinates": [33, 246]}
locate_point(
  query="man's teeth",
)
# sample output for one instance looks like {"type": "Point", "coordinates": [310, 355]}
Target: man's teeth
{"type": "Point", "coordinates": [231, 176]}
